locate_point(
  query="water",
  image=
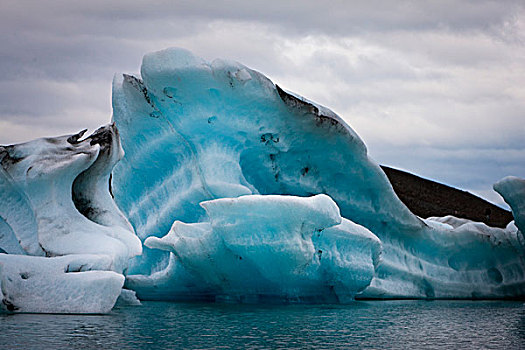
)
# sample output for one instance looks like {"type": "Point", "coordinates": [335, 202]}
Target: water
{"type": "Point", "coordinates": [363, 324]}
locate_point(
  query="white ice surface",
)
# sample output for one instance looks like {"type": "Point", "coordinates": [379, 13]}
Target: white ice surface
{"type": "Point", "coordinates": [67, 284]}
{"type": "Point", "coordinates": [55, 201]}
{"type": "Point", "coordinates": [42, 179]}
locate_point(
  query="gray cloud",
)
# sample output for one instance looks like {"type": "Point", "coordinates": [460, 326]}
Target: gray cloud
{"type": "Point", "coordinates": [432, 87]}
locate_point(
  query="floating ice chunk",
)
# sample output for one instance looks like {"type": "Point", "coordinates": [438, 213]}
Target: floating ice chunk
{"type": "Point", "coordinates": [277, 248]}
{"type": "Point", "coordinates": [67, 284]}
{"type": "Point", "coordinates": [196, 131]}
{"type": "Point", "coordinates": [56, 200]}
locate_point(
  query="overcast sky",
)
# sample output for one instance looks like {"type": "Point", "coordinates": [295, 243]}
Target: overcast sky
{"type": "Point", "coordinates": [433, 87]}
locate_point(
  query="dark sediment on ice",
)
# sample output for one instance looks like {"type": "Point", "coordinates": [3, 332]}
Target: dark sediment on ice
{"type": "Point", "coordinates": [427, 198]}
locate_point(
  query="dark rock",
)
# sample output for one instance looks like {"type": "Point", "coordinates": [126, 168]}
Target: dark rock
{"type": "Point", "coordinates": [427, 198]}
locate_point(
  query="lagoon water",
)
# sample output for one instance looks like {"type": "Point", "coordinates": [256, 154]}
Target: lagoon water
{"type": "Point", "coordinates": [362, 324]}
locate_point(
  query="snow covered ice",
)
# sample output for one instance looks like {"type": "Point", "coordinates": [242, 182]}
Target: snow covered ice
{"type": "Point", "coordinates": [240, 191]}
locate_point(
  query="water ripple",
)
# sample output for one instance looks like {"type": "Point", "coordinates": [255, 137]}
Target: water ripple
{"type": "Point", "coordinates": [363, 325]}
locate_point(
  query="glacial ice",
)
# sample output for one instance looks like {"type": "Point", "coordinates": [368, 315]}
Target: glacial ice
{"type": "Point", "coordinates": [230, 189]}
{"type": "Point", "coordinates": [128, 297]}
{"type": "Point", "coordinates": [512, 189]}
{"type": "Point", "coordinates": [66, 284]}
{"type": "Point", "coordinates": [282, 247]}
{"type": "Point", "coordinates": [56, 203]}
{"type": "Point", "coordinates": [195, 131]}
{"type": "Point", "coordinates": [55, 197]}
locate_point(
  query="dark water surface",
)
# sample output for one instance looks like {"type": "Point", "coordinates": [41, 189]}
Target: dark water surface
{"type": "Point", "coordinates": [363, 324]}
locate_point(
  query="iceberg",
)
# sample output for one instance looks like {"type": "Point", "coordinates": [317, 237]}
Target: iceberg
{"type": "Point", "coordinates": [56, 209]}
{"type": "Point", "coordinates": [57, 198]}
{"type": "Point", "coordinates": [213, 183]}
{"type": "Point", "coordinates": [195, 131]}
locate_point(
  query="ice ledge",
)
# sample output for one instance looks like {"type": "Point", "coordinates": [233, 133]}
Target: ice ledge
{"type": "Point", "coordinates": [271, 248]}
{"type": "Point", "coordinates": [68, 284]}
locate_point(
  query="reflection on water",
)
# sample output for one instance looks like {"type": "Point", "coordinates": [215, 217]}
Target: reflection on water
{"type": "Point", "coordinates": [363, 324]}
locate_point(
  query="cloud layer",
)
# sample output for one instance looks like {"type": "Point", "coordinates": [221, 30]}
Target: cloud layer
{"type": "Point", "coordinates": [437, 88]}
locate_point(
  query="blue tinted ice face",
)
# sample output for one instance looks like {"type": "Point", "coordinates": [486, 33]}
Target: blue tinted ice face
{"type": "Point", "coordinates": [196, 131]}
